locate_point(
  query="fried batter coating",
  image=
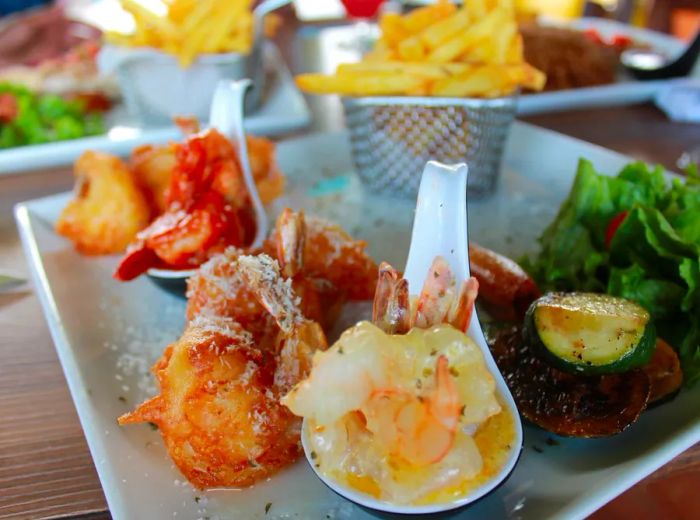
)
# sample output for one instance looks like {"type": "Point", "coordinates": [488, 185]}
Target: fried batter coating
{"type": "Point", "coordinates": [218, 289]}
{"type": "Point", "coordinates": [153, 167]}
{"type": "Point", "coordinates": [331, 254]}
{"type": "Point", "coordinates": [108, 209]}
{"type": "Point", "coordinates": [268, 178]}
{"type": "Point", "coordinates": [218, 409]}
{"type": "Point", "coordinates": [330, 268]}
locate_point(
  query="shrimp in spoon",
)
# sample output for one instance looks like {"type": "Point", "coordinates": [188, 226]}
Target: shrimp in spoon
{"type": "Point", "coordinates": [396, 403]}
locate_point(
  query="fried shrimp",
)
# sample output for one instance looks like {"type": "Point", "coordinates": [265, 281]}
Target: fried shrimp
{"type": "Point", "coordinates": [325, 266]}
{"type": "Point", "coordinates": [218, 409]}
{"type": "Point", "coordinates": [108, 209]}
{"type": "Point", "coordinates": [153, 167]}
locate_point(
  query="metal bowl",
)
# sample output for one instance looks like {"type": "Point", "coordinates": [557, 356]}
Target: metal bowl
{"type": "Point", "coordinates": [156, 87]}
{"type": "Point", "coordinates": [393, 137]}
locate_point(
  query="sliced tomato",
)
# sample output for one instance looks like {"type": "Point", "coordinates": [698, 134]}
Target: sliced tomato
{"type": "Point", "coordinates": [621, 41]}
{"type": "Point", "coordinates": [8, 108]}
{"type": "Point", "coordinates": [615, 223]}
{"type": "Point", "coordinates": [594, 36]}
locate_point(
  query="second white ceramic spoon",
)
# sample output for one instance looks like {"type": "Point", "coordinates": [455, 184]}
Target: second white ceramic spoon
{"type": "Point", "coordinates": [440, 228]}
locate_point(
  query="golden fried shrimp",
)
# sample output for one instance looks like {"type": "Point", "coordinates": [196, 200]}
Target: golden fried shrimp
{"type": "Point", "coordinates": [217, 289]}
{"type": "Point", "coordinates": [218, 409]}
{"type": "Point", "coordinates": [334, 257]}
{"type": "Point", "coordinates": [152, 167]}
{"type": "Point", "coordinates": [268, 177]}
{"type": "Point", "coordinates": [321, 279]}
{"type": "Point", "coordinates": [108, 209]}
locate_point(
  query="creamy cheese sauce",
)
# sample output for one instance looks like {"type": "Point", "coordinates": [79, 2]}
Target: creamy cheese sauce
{"type": "Point", "coordinates": [494, 439]}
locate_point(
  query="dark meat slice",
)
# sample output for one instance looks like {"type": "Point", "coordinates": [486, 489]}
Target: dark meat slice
{"type": "Point", "coordinates": [567, 404]}
{"type": "Point", "coordinates": [568, 57]}
{"type": "Point", "coordinates": [664, 371]}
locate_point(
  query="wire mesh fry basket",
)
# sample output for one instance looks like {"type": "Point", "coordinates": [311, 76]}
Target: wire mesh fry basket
{"type": "Point", "coordinates": [393, 137]}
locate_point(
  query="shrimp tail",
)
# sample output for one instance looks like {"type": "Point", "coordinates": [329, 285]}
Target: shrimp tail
{"type": "Point", "coordinates": [460, 314]}
{"type": "Point", "coordinates": [391, 308]}
{"type": "Point", "coordinates": [434, 301]}
{"type": "Point", "coordinates": [291, 235]}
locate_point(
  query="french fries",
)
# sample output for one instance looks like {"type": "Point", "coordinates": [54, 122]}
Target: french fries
{"type": "Point", "coordinates": [188, 28]}
{"type": "Point", "coordinates": [439, 50]}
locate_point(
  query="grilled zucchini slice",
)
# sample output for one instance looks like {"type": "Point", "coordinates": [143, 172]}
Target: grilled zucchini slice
{"type": "Point", "coordinates": [590, 334]}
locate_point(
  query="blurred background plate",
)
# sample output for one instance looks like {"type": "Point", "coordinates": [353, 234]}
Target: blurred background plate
{"type": "Point", "coordinates": [626, 91]}
{"type": "Point", "coordinates": [108, 337]}
{"type": "Point", "coordinates": [283, 109]}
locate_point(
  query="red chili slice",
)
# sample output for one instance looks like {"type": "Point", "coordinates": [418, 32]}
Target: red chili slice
{"type": "Point", "coordinates": [613, 227]}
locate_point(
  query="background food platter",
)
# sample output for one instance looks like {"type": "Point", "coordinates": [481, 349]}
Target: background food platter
{"type": "Point", "coordinates": [283, 109]}
{"type": "Point", "coordinates": [626, 91]}
{"type": "Point", "coordinates": [108, 338]}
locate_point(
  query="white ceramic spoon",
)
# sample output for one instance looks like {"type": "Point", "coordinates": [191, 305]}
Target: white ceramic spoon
{"type": "Point", "coordinates": [226, 116]}
{"type": "Point", "coordinates": [440, 228]}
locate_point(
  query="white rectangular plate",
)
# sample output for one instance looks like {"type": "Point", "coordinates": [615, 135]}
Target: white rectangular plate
{"type": "Point", "coordinates": [108, 334]}
{"type": "Point", "coordinates": [283, 109]}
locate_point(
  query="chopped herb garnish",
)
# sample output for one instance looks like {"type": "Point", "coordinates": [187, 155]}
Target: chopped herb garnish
{"type": "Point", "coordinates": [552, 442]}
{"type": "Point", "coordinates": [122, 398]}
{"type": "Point", "coordinates": [340, 350]}
{"type": "Point", "coordinates": [267, 507]}
{"type": "Point", "coordinates": [454, 372]}
{"type": "Point", "coordinates": [461, 410]}
{"type": "Point", "coordinates": [433, 352]}
{"type": "Point", "coordinates": [153, 426]}
{"type": "Point", "coordinates": [313, 455]}
{"type": "Point", "coordinates": [419, 384]}
{"type": "Point", "coordinates": [197, 499]}
{"type": "Point", "coordinates": [537, 448]}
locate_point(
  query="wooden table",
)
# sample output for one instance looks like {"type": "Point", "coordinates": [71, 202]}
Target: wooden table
{"type": "Point", "coordinates": [45, 467]}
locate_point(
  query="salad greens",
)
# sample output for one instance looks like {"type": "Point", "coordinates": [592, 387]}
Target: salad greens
{"type": "Point", "coordinates": [30, 118]}
{"type": "Point", "coordinates": [637, 236]}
